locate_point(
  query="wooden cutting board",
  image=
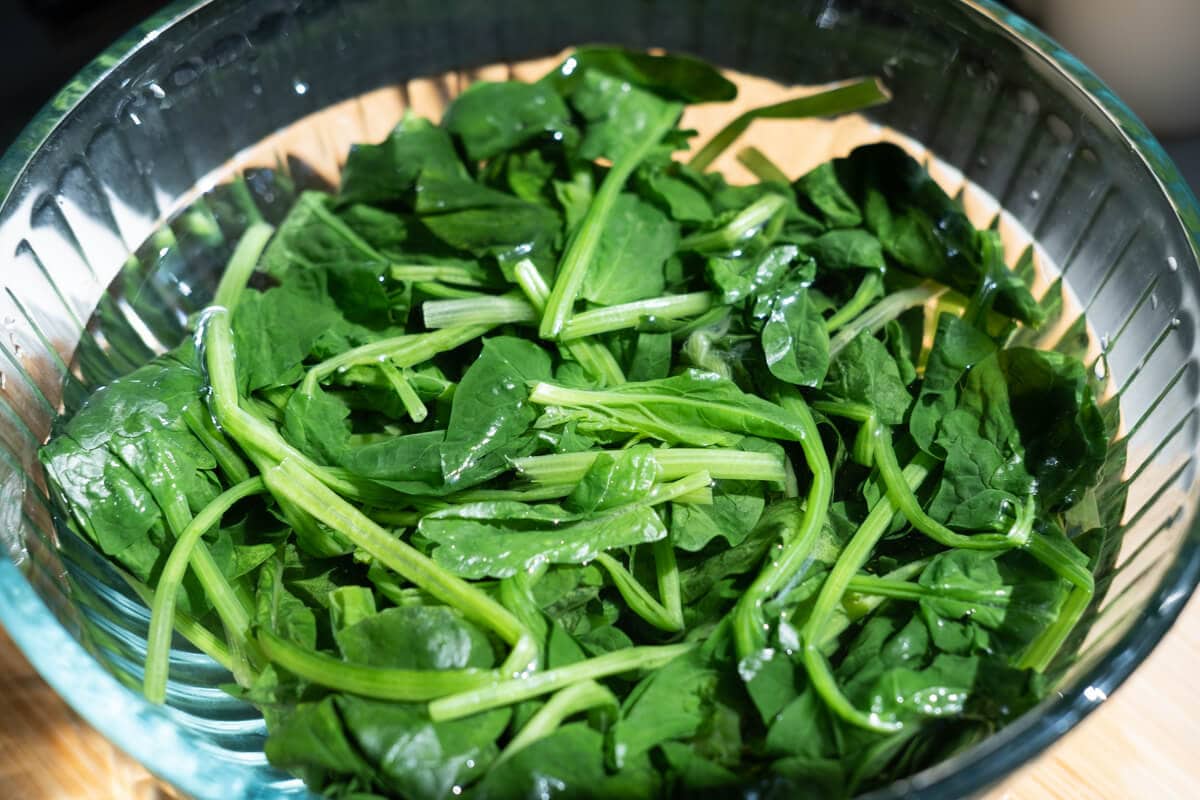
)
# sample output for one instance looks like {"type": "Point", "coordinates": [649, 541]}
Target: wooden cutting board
{"type": "Point", "coordinates": [1142, 743]}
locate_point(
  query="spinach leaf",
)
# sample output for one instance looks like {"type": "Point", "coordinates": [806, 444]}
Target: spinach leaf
{"type": "Point", "coordinates": [415, 637]}
{"type": "Point", "coordinates": [500, 539]}
{"type": "Point", "coordinates": [702, 408]}
{"type": "Point", "coordinates": [491, 416]}
{"type": "Point", "coordinates": [491, 118]}
{"type": "Point", "coordinates": [795, 342]}
{"type": "Point", "coordinates": [922, 229]}
{"type": "Point", "coordinates": [635, 244]}
{"type": "Point", "coordinates": [386, 173]}
{"type": "Point", "coordinates": [673, 76]}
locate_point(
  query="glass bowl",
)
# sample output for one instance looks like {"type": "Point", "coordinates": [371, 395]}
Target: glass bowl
{"type": "Point", "coordinates": [123, 180]}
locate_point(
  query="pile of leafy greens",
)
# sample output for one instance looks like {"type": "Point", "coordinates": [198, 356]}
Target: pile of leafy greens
{"type": "Point", "coordinates": [536, 460]}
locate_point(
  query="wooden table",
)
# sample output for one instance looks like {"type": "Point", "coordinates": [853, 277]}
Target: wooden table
{"type": "Point", "coordinates": [1142, 743]}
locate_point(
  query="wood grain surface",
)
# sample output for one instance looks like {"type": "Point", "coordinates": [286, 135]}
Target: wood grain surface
{"type": "Point", "coordinates": [1144, 742]}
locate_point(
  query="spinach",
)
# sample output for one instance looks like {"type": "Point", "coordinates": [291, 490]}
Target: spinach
{"type": "Point", "coordinates": [536, 461]}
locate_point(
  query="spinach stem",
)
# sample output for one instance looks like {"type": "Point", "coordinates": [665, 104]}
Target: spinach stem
{"type": "Point", "coordinates": [851, 560]}
{"type": "Point", "coordinates": [419, 273]}
{"type": "Point", "coordinates": [628, 315]}
{"type": "Point", "coordinates": [582, 696]}
{"type": "Point", "coordinates": [870, 287]}
{"type": "Point", "coordinates": [883, 312]}
{"type": "Point", "coordinates": [560, 305]}
{"type": "Point", "coordinates": [230, 610]}
{"type": "Point", "coordinates": [594, 357]}
{"type": "Point", "coordinates": [408, 396]}
{"type": "Point", "coordinates": [640, 601]}
{"type": "Point", "coordinates": [673, 463]}
{"type": "Point", "coordinates": [748, 613]}
{"type": "Point", "coordinates": [241, 264]}
{"type": "Point", "coordinates": [761, 166]}
{"type": "Point", "coordinates": [537, 684]}
{"type": "Point", "coordinates": [205, 640]}
{"type": "Point", "coordinates": [162, 611]}
{"type": "Point", "coordinates": [401, 351]}
{"type": "Point", "coordinates": [859, 94]}
{"type": "Point", "coordinates": [382, 683]}
{"type": "Point", "coordinates": [748, 220]}
{"type": "Point", "coordinates": [497, 310]}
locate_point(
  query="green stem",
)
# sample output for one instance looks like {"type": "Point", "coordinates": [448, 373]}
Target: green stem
{"type": "Point", "coordinates": [241, 264]}
{"type": "Point", "coordinates": [205, 640]}
{"type": "Point", "coordinates": [868, 289]}
{"type": "Point", "coordinates": [233, 614]}
{"type": "Point", "coordinates": [200, 424]}
{"type": "Point", "coordinates": [594, 357]}
{"type": "Point", "coordinates": [851, 560]}
{"type": "Point", "coordinates": [666, 569]}
{"type": "Point", "coordinates": [498, 310]}
{"type": "Point", "coordinates": [629, 315]}
{"type": "Point", "coordinates": [748, 619]}
{"type": "Point", "coordinates": [748, 220]}
{"type": "Point", "coordinates": [560, 305]}
{"type": "Point", "coordinates": [400, 685]}
{"type": "Point", "coordinates": [402, 351]}
{"type": "Point", "coordinates": [844, 99]}
{"type": "Point", "coordinates": [760, 166]}
{"type": "Point", "coordinates": [638, 598]}
{"type": "Point", "coordinates": [162, 612]}
{"type": "Point", "coordinates": [408, 396]}
{"type": "Point", "coordinates": [1049, 641]}
{"type": "Point", "coordinates": [444, 292]}
{"type": "Point", "coordinates": [565, 703]}
{"type": "Point", "coordinates": [539, 683]}
{"type": "Point", "coordinates": [883, 312]}
{"type": "Point", "coordinates": [417, 273]}
{"type": "Point", "coordinates": [673, 463]}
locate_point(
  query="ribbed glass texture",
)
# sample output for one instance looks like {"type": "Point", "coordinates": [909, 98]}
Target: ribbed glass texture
{"type": "Point", "coordinates": [123, 182]}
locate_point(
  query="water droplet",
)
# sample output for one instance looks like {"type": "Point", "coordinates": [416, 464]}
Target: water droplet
{"type": "Point", "coordinates": [3, 381]}
{"type": "Point", "coordinates": [1035, 196]}
{"type": "Point", "coordinates": [1104, 342]}
{"type": "Point", "coordinates": [1172, 264]}
{"type": "Point", "coordinates": [257, 88]}
{"type": "Point", "coordinates": [982, 161]}
{"type": "Point", "coordinates": [1175, 322]}
{"type": "Point", "coordinates": [1153, 300]}
{"type": "Point", "coordinates": [1100, 370]}
{"type": "Point", "coordinates": [301, 88]}
{"type": "Point", "coordinates": [157, 91]}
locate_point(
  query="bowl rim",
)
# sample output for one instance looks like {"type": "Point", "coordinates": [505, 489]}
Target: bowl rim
{"type": "Point", "coordinates": [126, 720]}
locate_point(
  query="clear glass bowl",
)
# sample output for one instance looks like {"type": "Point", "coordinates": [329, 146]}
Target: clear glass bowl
{"type": "Point", "coordinates": [278, 89]}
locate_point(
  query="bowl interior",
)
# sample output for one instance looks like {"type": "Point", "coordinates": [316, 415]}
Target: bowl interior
{"type": "Point", "coordinates": [128, 186]}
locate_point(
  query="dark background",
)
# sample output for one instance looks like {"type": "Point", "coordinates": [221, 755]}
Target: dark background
{"type": "Point", "coordinates": [43, 43]}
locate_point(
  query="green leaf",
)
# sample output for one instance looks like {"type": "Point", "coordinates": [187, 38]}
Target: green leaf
{"type": "Point", "coordinates": [615, 478]}
{"type": "Point", "coordinates": [670, 704]}
{"type": "Point", "coordinates": [617, 114]}
{"type": "Point", "coordinates": [695, 408]}
{"type": "Point", "coordinates": [636, 242]}
{"type": "Point", "coordinates": [671, 75]}
{"type": "Point", "coordinates": [794, 339]}
{"type": "Point", "coordinates": [499, 539]}
{"type": "Point", "coordinates": [922, 229]}
{"type": "Point", "coordinates": [385, 173]}
{"type": "Point", "coordinates": [415, 757]}
{"type": "Point", "coordinates": [491, 416]}
{"type": "Point", "coordinates": [415, 637]}
{"type": "Point", "coordinates": [572, 756]}
{"type": "Point", "coordinates": [490, 118]}
{"type": "Point", "coordinates": [864, 372]}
